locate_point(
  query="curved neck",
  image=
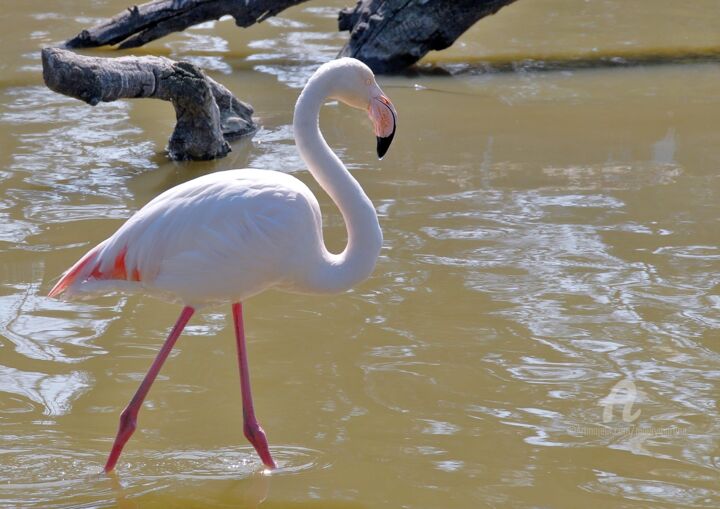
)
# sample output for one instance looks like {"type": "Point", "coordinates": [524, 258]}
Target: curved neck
{"type": "Point", "coordinates": [336, 272]}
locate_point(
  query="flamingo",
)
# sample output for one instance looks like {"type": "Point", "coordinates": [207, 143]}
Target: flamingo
{"type": "Point", "coordinates": [227, 236]}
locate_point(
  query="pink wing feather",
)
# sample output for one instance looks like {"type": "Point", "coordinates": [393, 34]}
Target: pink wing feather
{"type": "Point", "coordinates": [89, 267]}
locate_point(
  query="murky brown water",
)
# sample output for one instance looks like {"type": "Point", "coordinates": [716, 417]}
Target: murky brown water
{"type": "Point", "coordinates": [549, 235]}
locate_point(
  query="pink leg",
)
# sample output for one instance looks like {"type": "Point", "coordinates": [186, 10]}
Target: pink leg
{"type": "Point", "coordinates": [128, 418]}
{"type": "Point", "coordinates": [253, 432]}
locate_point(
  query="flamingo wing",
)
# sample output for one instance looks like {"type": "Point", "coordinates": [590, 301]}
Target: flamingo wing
{"type": "Point", "coordinates": [222, 236]}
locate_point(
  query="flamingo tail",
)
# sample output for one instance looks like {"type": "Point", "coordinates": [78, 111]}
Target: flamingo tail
{"type": "Point", "coordinates": [71, 275]}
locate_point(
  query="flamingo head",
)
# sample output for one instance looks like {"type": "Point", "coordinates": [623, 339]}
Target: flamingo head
{"type": "Point", "coordinates": [354, 84]}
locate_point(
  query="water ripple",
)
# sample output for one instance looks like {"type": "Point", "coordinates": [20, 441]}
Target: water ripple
{"type": "Point", "coordinates": [67, 478]}
{"type": "Point", "coordinates": [586, 306]}
{"type": "Point", "coordinates": [38, 328]}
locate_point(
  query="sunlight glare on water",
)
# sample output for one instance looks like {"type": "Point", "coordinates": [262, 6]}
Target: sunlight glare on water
{"type": "Point", "coordinates": [542, 327]}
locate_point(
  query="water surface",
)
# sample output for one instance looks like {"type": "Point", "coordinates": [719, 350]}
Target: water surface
{"type": "Point", "coordinates": [550, 269]}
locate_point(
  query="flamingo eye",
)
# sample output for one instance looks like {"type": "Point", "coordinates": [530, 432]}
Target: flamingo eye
{"type": "Point", "coordinates": [368, 81]}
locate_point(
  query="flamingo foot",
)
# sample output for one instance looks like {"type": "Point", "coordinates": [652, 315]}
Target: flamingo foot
{"type": "Point", "coordinates": [256, 436]}
{"type": "Point", "coordinates": [128, 424]}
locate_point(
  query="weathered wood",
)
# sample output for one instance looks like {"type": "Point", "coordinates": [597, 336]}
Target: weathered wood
{"type": "Point", "coordinates": [143, 23]}
{"type": "Point", "coordinates": [207, 112]}
{"type": "Point", "coordinates": [390, 35]}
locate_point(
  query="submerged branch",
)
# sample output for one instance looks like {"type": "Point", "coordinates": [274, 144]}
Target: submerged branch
{"type": "Point", "coordinates": [207, 112]}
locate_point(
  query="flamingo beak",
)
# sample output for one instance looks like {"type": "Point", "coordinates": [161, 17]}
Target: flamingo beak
{"type": "Point", "coordinates": [384, 117]}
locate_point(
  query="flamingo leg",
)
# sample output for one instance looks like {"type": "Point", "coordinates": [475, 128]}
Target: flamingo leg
{"type": "Point", "coordinates": [128, 418]}
{"type": "Point", "coordinates": [253, 432]}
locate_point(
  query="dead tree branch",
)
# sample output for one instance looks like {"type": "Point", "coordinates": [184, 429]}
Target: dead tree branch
{"type": "Point", "coordinates": [207, 112]}
{"type": "Point", "coordinates": [390, 35]}
{"type": "Point", "coordinates": [143, 23]}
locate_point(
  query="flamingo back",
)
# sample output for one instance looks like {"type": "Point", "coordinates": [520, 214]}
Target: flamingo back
{"type": "Point", "coordinates": [224, 236]}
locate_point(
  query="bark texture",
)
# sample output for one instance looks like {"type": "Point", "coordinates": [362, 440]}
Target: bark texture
{"type": "Point", "coordinates": [390, 35]}
{"type": "Point", "coordinates": [143, 23]}
{"type": "Point", "coordinates": [207, 112]}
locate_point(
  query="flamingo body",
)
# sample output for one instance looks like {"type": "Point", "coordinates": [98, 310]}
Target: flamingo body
{"type": "Point", "coordinates": [229, 235]}
{"type": "Point", "coordinates": [222, 237]}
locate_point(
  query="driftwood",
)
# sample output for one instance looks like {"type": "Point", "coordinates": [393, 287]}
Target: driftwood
{"type": "Point", "coordinates": [143, 23]}
{"type": "Point", "coordinates": [390, 35]}
{"type": "Point", "coordinates": [207, 112]}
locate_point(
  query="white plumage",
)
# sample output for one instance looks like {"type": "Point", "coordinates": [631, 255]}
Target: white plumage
{"type": "Point", "coordinates": [218, 238]}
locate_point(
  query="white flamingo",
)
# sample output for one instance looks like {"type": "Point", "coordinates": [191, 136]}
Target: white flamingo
{"type": "Point", "coordinates": [229, 235]}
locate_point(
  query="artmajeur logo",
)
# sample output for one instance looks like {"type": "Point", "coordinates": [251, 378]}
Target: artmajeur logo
{"type": "Point", "coordinates": [621, 411]}
{"type": "Point", "coordinates": [623, 393]}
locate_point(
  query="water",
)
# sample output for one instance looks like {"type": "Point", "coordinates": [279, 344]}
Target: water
{"type": "Point", "coordinates": [541, 330]}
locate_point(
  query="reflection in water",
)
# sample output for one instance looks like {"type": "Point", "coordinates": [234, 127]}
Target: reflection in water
{"type": "Point", "coordinates": [53, 392]}
{"type": "Point", "coordinates": [206, 48]}
{"type": "Point", "coordinates": [276, 150]}
{"type": "Point", "coordinates": [297, 50]}
{"type": "Point", "coordinates": [219, 464]}
{"type": "Point", "coordinates": [633, 488]}
{"type": "Point", "coordinates": [249, 493]}
{"type": "Point", "coordinates": [51, 330]}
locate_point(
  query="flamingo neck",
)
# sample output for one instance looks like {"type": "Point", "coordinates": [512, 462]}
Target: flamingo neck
{"type": "Point", "coordinates": [336, 272]}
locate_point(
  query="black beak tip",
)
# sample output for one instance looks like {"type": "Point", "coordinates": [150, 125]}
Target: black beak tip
{"type": "Point", "coordinates": [383, 144]}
